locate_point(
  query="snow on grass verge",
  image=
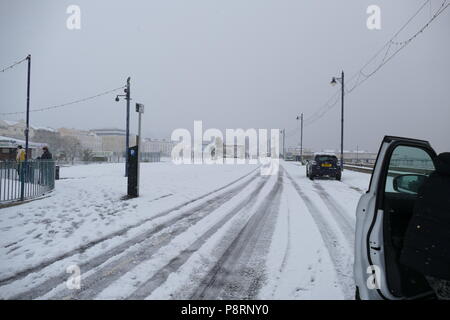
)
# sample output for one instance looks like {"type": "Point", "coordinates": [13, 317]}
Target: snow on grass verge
{"type": "Point", "coordinates": [87, 206]}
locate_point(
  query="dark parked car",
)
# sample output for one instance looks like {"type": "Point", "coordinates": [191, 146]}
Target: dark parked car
{"type": "Point", "coordinates": [323, 165]}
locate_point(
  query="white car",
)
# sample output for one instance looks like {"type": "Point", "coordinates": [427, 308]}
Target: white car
{"type": "Point", "coordinates": [382, 216]}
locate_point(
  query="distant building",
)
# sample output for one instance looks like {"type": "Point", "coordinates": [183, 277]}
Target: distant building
{"type": "Point", "coordinates": [113, 140]}
{"type": "Point", "coordinates": [295, 152]}
{"type": "Point", "coordinates": [88, 139]}
{"type": "Point", "coordinates": [158, 145]}
{"type": "Point", "coordinates": [8, 148]}
{"type": "Point", "coordinates": [15, 129]}
{"type": "Point", "coordinates": [110, 132]}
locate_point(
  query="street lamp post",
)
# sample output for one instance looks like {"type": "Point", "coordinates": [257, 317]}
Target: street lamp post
{"type": "Point", "coordinates": [127, 96]}
{"type": "Point", "coordinates": [357, 160]}
{"type": "Point", "coordinates": [301, 137]}
{"type": "Point", "coordinates": [27, 131]}
{"type": "Point", "coordinates": [334, 80]}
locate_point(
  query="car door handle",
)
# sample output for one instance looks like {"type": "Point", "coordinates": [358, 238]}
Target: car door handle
{"type": "Point", "coordinates": [376, 248]}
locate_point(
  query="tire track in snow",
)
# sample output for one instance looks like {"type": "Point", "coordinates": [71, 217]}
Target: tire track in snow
{"type": "Point", "coordinates": [345, 223]}
{"type": "Point", "coordinates": [339, 254]}
{"type": "Point", "coordinates": [161, 275]}
{"type": "Point", "coordinates": [235, 275]}
{"type": "Point", "coordinates": [287, 249]}
{"type": "Point", "coordinates": [356, 189]}
{"type": "Point", "coordinates": [52, 282]}
{"type": "Point", "coordinates": [109, 273]}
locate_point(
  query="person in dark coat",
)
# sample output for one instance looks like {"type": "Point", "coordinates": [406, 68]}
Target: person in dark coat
{"type": "Point", "coordinates": [45, 168]}
{"type": "Point", "coordinates": [426, 246]}
{"type": "Point", "coordinates": [46, 155]}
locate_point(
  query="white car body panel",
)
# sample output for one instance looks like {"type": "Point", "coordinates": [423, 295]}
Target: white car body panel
{"type": "Point", "coordinates": [364, 216]}
{"type": "Point", "coordinates": [369, 223]}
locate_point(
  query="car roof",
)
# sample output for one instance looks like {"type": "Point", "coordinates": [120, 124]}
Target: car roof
{"type": "Point", "coordinates": [325, 154]}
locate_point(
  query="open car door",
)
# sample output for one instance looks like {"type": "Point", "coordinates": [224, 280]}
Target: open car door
{"type": "Point", "coordinates": [383, 214]}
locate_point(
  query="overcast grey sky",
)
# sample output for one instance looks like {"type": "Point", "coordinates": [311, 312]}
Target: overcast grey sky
{"type": "Point", "coordinates": [230, 63]}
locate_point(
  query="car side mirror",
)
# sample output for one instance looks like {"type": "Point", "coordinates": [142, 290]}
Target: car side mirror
{"type": "Point", "coordinates": [408, 183]}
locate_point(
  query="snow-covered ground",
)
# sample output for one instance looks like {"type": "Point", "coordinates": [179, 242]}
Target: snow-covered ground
{"type": "Point", "coordinates": [196, 231]}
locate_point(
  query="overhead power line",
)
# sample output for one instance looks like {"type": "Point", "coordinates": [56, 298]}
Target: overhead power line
{"type": "Point", "coordinates": [13, 65]}
{"type": "Point", "coordinates": [67, 103]}
{"type": "Point", "coordinates": [387, 52]}
{"type": "Point", "coordinates": [393, 46]}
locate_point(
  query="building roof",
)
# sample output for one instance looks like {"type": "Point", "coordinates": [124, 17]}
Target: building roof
{"type": "Point", "coordinates": [109, 132]}
{"type": "Point", "coordinates": [7, 142]}
{"type": "Point", "coordinates": [12, 123]}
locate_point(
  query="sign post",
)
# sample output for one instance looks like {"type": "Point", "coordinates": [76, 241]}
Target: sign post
{"type": "Point", "coordinates": [140, 110]}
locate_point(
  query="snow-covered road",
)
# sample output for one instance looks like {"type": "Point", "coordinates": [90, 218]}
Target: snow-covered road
{"type": "Point", "coordinates": [196, 232]}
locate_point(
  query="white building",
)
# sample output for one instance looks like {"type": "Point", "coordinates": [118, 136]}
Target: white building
{"type": "Point", "coordinates": [114, 140]}
{"type": "Point", "coordinates": [88, 139]}
{"type": "Point", "coordinates": [158, 145]}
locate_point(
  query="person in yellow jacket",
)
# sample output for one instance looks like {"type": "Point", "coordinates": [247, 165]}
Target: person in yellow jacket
{"type": "Point", "coordinates": [20, 156]}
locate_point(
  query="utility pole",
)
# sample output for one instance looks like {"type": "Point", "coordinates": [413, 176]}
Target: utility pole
{"type": "Point", "coordinates": [301, 138]}
{"type": "Point", "coordinates": [356, 153]}
{"type": "Point", "coordinates": [127, 138]}
{"type": "Point", "coordinates": [334, 80]}
{"type": "Point", "coordinates": [27, 129]}
{"type": "Point", "coordinates": [127, 96]}
{"type": "Point", "coordinates": [284, 145]}
{"type": "Point", "coordinates": [342, 121]}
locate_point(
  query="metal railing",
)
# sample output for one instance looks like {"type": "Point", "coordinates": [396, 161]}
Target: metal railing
{"type": "Point", "coordinates": [150, 156]}
{"type": "Point", "coordinates": [25, 180]}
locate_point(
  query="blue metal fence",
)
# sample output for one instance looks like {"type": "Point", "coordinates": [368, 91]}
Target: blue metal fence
{"type": "Point", "coordinates": [26, 180]}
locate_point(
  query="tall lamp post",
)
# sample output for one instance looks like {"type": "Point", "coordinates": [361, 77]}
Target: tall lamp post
{"type": "Point", "coordinates": [334, 81]}
{"type": "Point", "coordinates": [284, 139]}
{"type": "Point", "coordinates": [127, 134]}
{"type": "Point", "coordinates": [301, 137]}
{"type": "Point", "coordinates": [27, 129]}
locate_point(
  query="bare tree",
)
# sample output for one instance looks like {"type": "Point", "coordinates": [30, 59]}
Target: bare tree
{"type": "Point", "coordinates": [88, 155]}
{"type": "Point", "coordinates": [71, 148]}
{"type": "Point", "coordinates": [52, 139]}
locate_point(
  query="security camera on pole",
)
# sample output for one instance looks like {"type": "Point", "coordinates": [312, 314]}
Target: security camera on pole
{"type": "Point", "coordinates": [127, 96]}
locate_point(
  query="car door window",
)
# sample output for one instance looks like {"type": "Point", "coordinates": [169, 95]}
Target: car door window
{"type": "Point", "coordinates": [408, 169]}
